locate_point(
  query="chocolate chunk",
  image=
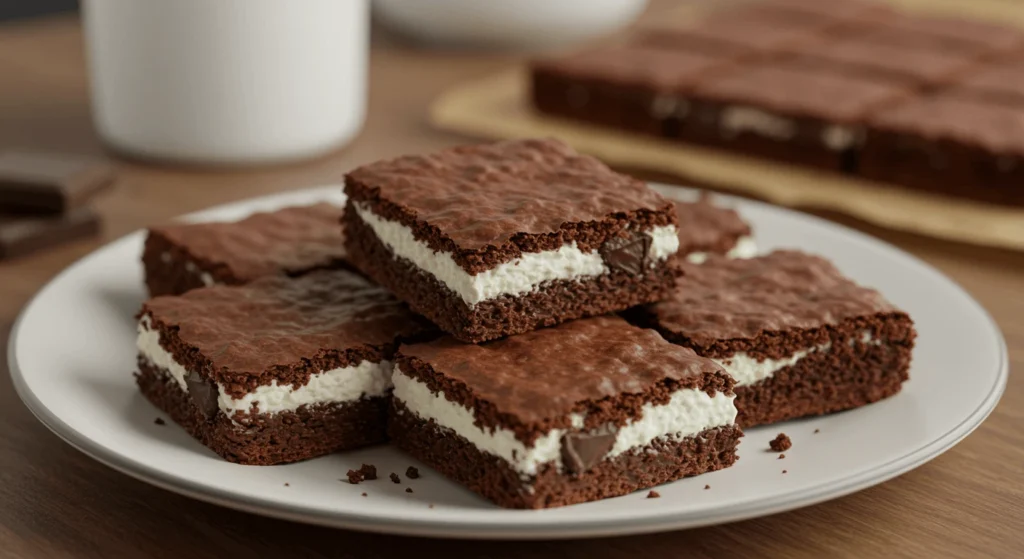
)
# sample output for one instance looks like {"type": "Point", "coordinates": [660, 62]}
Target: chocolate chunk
{"type": "Point", "coordinates": [628, 254]}
{"type": "Point", "coordinates": [159, 421]}
{"type": "Point", "coordinates": [781, 443]}
{"type": "Point", "coordinates": [412, 473]}
{"type": "Point", "coordinates": [54, 183]}
{"type": "Point", "coordinates": [394, 477]}
{"type": "Point", "coordinates": [369, 471]}
{"type": "Point", "coordinates": [581, 451]}
{"type": "Point", "coordinates": [204, 394]}
{"type": "Point", "coordinates": [355, 476]}
{"type": "Point", "coordinates": [21, 234]}
{"type": "Point", "coordinates": [653, 495]}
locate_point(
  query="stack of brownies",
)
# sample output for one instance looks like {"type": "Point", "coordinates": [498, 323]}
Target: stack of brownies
{"type": "Point", "coordinates": [849, 86]}
{"type": "Point", "coordinates": [465, 309]}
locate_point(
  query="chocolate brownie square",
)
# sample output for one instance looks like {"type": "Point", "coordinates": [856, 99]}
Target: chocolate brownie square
{"type": "Point", "coordinates": [1000, 82]}
{"type": "Point", "coordinates": [499, 239]}
{"type": "Point", "coordinates": [748, 32]}
{"type": "Point", "coordinates": [786, 111]}
{"type": "Point", "coordinates": [918, 64]}
{"type": "Point", "coordinates": [629, 87]}
{"type": "Point", "coordinates": [288, 242]}
{"type": "Point", "coordinates": [954, 145]}
{"type": "Point", "coordinates": [705, 228]}
{"type": "Point", "coordinates": [587, 410]}
{"type": "Point", "coordinates": [277, 370]}
{"type": "Point", "coordinates": [797, 336]}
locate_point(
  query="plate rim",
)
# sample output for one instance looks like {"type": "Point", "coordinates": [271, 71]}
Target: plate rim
{"type": "Point", "coordinates": [449, 529]}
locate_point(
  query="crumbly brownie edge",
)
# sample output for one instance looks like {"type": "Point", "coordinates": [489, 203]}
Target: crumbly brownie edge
{"type": "Point", "coordinates": [588, 236]}
{"type": "Point", "coordinates": [550, 304]}
{"type": "Point", "coordinates": [598, 413]}
{"type": "Point", "coordinates": [239, 383]}
{"type": "Point", "coordinates": [268, 439]}
{"type": "Point", "coordinates": [825, 382]}
{"type": "Point", "coordinates": [170, 276]}
{"type": "Point", "coordinates": [662, 461]}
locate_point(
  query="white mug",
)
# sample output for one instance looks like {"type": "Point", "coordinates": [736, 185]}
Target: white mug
{"type": "Point", "coordinates": [227, 81]}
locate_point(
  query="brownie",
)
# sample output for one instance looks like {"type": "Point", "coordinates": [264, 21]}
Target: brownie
{"type": "Point", "coordinates": [630, 87]}
{"type": "Point", "coordinates": [287, 242]}
{"type": "Point", "coordinates": [587, 410]}
{"type": "Point", "coordinates": [949, 144]}
{"type": "Point", "coordinates": [917, 64]}
{"type": "Point", "coordinates": [705, 228]}
{"type": "Point", "coordinates": [747, 32]}
{"type": "Point", "coordinates": [999, 82]}
{"type": "Point", "coordinates": [797, 336]}
{"type": "Point", "coordinates": [278, 370]}
{"type": "Point", "coordinates": [499, 239]}
{"type": "Point", "coordinates": [787, 111]}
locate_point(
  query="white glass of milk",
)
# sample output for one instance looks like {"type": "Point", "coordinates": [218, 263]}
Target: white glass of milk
{"type": "Point", "coordinates": [227, 81]}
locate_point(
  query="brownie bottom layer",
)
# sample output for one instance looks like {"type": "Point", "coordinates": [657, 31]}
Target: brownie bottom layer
{"type": "Point", "coordinates": [551, 303]}
{"type": "Point", "coordinates": [825, 382]}
{"type": "Point", "coordinates": [267, 439]}
{"type": "Point", "coordinates": [493, 478]}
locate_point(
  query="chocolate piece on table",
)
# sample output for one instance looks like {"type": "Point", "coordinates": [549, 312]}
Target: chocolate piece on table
{"type": "Point", "coordinates": [919, 65]}
{"type": "Point", "coordinates": [50, 183]}
{"type": "Point", "coordinates": [499, 239]}
{"type": "Point", "coordinates": [278, 370]}
{"type": "Point", "coordinates": [631, 87]}
{"type": "Point", "coordinates": [787, 112]}
{"type": "Point", "coordinates": [797, 336]}
{"type": "Point", "coordinates": [705, 228]}
{"type": "Point", "coordinates": [949, 144]}
{"type": "Point", "coordinates": [589, 409]}
{"type": "Point", "coordinates": [21, 235]}
{"type": "Point", "coordinates": [287, 242]}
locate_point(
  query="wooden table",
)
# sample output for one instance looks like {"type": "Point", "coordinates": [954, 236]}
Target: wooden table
{"type": "Point", "coordinates": [55, 502]}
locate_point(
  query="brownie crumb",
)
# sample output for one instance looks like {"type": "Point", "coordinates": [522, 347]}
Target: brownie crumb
{"type": "Point", "coordinates": [412, 473]}
{"type": "Point", "coordinates": [653, 495]}
{"type": "Point", "coordinates": [816, 431]}
{"type": "Point", "coordinates": [364, 494]}
{"type": "Point", "coordinates": [408, 489]}
{"type": "Point", "coordinates": [707, 487]}
{"type": "Point", "coordinates": [159, 421]}
{"type": "Point", "coordinates": [781, 456]}
{"type": "Point", "coordinates": [781, 443]}
{"type": "Point", "coordinates": [394, 477]}
{"type": "Point", "coordinates": [355, 476]}
{"type": "Point", "coordinates": [369, 471]}
{"type": "Point", "coordinates": [287, 485]}
{"type": "Point", "coordinates": [785, 471]}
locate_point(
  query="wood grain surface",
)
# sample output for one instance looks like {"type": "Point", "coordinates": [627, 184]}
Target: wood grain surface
{"type": "Point", "coordinates": [55, 502]}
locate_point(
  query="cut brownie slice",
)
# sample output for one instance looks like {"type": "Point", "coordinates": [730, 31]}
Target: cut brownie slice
{"type": "Point", "coordinates": [705, 228]}
{"type": "Point", "coordinates": [278, 370]}
{"type": "Point", "coordinates": [500, 239]}
{"type": "Point", "coordinates": [949, 144]}
{"type": "Point", "coordinates": [631, 87]}
{"type": "Point", "coordinates": [798, 337]}
{"type": "Point", "coordinates": [290, 242]}
{"type": "Point", "coordinates": [590, 409]}
{"type": "Point", "coordinates": [787, 111]}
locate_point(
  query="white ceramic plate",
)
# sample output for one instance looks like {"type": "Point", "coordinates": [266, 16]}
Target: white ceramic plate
{"type": "Point", "coordinates": [72, 353]}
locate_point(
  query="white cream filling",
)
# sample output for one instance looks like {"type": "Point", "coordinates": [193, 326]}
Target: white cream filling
{"type": "Point", "coordinates": [747, 370]}
{"type": "Point", "coordinates": [745, 247]}
{"type": "Point", "coordinates": [734, 120]}
{"type": "Point", "coordinates": [516, 277]}
{"type": "Point", "coordinates": [687, 413]}
{"type": "Point", "coordinates": [345, 384]}
{"type": "Point", "coordinates": [838, 137]}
